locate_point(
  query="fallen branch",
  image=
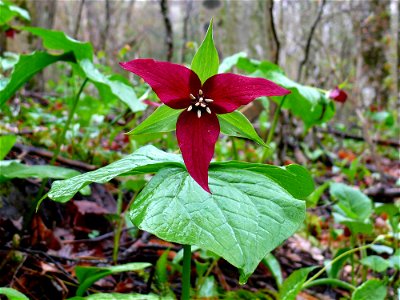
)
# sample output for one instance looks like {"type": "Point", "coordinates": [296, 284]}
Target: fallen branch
{"type": "Point", "coordinates": [345, 135]}
{"type": "Point", "coordinates": [48, 154]}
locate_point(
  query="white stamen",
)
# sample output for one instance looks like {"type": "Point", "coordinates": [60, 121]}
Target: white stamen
{"type": "Point", "coordinates": [203, 105]}
{"type": "Point", "coordinates": [190, 108]}
{"type": "Point", "coordinates": [197, 104]}
{"type": "Point", "coordinates": [209, 100]}
{"type": "Point", "coordinates": [192, 97]}
{"type": "Point", "coordinates": [208, 110]}
{"type": "Point", "coordinates": [199, 113]}
{"type": "Point", "coordinates": [201, 99]}
{"type": "Point", "coordinates": [200, 92]}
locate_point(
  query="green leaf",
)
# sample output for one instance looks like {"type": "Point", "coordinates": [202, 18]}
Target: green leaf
{"type": "Point", "coordinates": [352, 202]}
{"type": "Point", "coordinates": [58, 40]}
{"type": "Point", "coordinates": [371, 289]}
{"type": "Point", "coordinates": [163, 119]}
{"type": "Point", "coordinates": [294, 283]}
{"type": "Point", "coordinates": [205, 62]}
{"type": "Point", "coordinates": [83, 52]}
{"type": "Point", "coordinates": [145, 160]}
{"type": "Point", "coordinates": [6, 144]}
{"type": "Point", "coordinates": [89, 275]}
{"type": "Point", "coordinates": [230, 61]}
{"type": "Point", "coordinates": [294, 178]}
{"type": "Point", "coordinates": [208, 289]}
{"type": "Point", "coordinates": [25, 68]}
{"type": "Point", "coordinates": [376, 263]}
{"type": "Point", "coordinates": [273, 265]}
{"type": "Point", "coordinates": [117, 296]}
{"type": "Point", "coordinates": [116, 88]}
{"type": "Point", "coordinates": [12, 294]}
{"type": "Point", "coordinates": [18, 170]}
{"type": "Point", "coordinates": [337, 266]}
{"type": "Point", "coordinates": [245, 218]}
{"type": "Point", "coordinates": [236, 124]}
{"type": "Point", "coordinates": [9, 11]}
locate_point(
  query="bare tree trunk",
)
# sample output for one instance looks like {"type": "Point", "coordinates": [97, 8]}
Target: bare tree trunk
{"type": "Point", "coordinates": [104, 33]}
{"type": "Point", "coordinates": [188, 9]}
{"type": "Point", "coordinates": [168, 28]}
{"type": "Point", "coordinates": [273, 41]}
{"type": "Point", "coordinates": [78, 20]}
{"type": "Point", "coordinates": [395, 50]}
{"type": "Point", "coordinates": [309, 39]}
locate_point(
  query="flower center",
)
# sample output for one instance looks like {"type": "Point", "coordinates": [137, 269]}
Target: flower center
{"type": "Point", "coordinates": [200, 102]}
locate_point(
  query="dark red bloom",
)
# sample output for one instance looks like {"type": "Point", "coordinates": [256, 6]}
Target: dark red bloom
{"type": "Point", "coordinates": [10, 33]}
{"type": "Point", "coordinates": [197, 128]}
{"type": "Point", "coordinates": [338, 95]}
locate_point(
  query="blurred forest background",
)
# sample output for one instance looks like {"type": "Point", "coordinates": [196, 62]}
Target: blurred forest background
{"type": "Point", "coordinates": [320, 43]}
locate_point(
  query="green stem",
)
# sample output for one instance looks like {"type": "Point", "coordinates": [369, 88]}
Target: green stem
{"type": "Point", "coordinates": [351, 251]}
{"type": "Point", "coordinates": [272, 129]}
{"type": "Point", "coordinates": [118, 230]}
{"type": "Point", "coordinates": [187, 257]}
{"type": "Point", "coordinates": [60, 142]}
{"type": "Point", "coordinates": [331, 281]}
{"type": "Point", "coordinates": [234, 149]}
{"type": "Point", "coordinates": [275, 121]}
{"type": "Point", "coordinates": [71, 113]}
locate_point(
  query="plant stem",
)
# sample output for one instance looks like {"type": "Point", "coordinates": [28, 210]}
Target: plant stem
{"type": "Point", "coordinates": [61, 139]}
{"type": "Point", "coordinates": [71, 113]}
{"type": "Point", "coordinates": [331, 281]}
{"type": "Point", "coordinates": [118, 229]}
{"type": "Point", "coordinates": [351, 251]}
{"type": "Point", "coordinates": [234, 149]}
{"type": "Point", "coordinates": [187, 256]}
{"type": "Point", "coordinates": [272, 129]}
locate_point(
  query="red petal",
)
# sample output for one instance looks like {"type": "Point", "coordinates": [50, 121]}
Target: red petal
{"type": "Point", "coordinates": [230, 91]}
{"type": "Point", "coordinates": [171, 82]}
{"type": "Point", "coordinates": [338, 95]}
{"type": "Point", "coordinates": [196, 139]}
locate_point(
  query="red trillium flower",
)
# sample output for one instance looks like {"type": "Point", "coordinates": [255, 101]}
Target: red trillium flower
{"type": "Point", "coordinates": [338, 95]}
{"type": "Point", "coordinates": [197, 128]}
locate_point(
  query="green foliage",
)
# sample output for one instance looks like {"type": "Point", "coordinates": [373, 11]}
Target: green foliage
{"type": "Point", "coordinates": [27, 66]}
{"type": "Point", "coordinates": [117, 296]}
{"type": "Point", "coordinates": [6, 143]}
{"type": "Point", "coordinates": [273, 265]}
{"type": "Point", "coordinates": [89, 275]}
{"type": "Point", "coordinates": [246, 217]}
{"type": "Point", "coordinates": [12, 294]}
{"type": "Point", "coordinates": [205, 62]}
{"type": "Point", "coordinates": [371, 289]}
{"type": "Point", "coordinates": [9, 11]}
{"type": "Point", "coordinates": [376, 263]}
{"type": "Point", "coordinates": [309, 103]}
{"type": "Point", "coordinates": [294, 283]}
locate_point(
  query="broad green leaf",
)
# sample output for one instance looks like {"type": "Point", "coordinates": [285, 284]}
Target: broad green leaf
{"type": "Point", "coordinates": [308, 103]}
{"type": "Point", "coordinates": [12, 294]}
{"type": "Point", "coordinates": [9, 11]}
{"type": "Point", "coordinates": [205, 62]}
{"type": "Point", "coordinates": [25, 68]}
{"type": "Point", "coordinates": [145, 160]}
{"type": "Point", "coordinates": [273, 265]}
{"type": "Point", "coordinates": [163, 119]}
{"type": "Point", "coordinates": [352, 202]}
{"type": "Point", "coordinates": [83, 52]}
{"type": "Point", "coordinates": [236, 124]}
{"type": "Point", "coordinates": [117, 296]}
{"type": "Point", "coordinates": [294, 178]}
{"type": "Point", "coordinates": [334, 270]}
{"type": "Point", "coordinates": [376, 263]}
{"type": "Point", "coordinates": [116, 88]}
{"type": "Point", "coordinates": [6, 143]}
{"type": "Point", "coordinates": [18, 170]}
{"type": "Point", "coordinates": [8, 61]}
{"type": "Point", "coordinates": [209, 289]}
{"type": "Point", "coordinates": [246, 217]}
{"type": "Point", "coordinates": [294, 283]}
{"type": "Point", "coordinates": [89, 275]}
{"type": "Point", "coordinates": [58, 40]}
{"type": "Point", "coordinates": [371, 289]}
{"type": "Point", "coordinates": [230, 61]}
